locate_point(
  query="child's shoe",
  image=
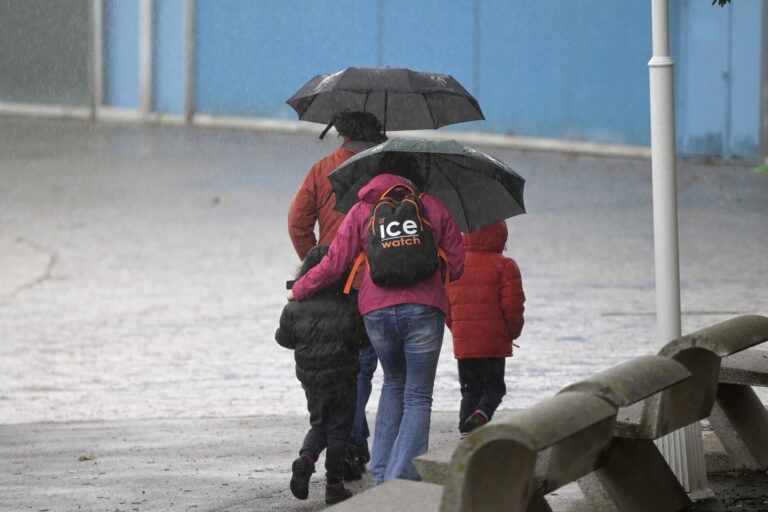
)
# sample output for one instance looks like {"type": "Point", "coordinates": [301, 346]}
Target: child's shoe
{"type": "Point", "coordinates": [335, 493]}
{"type": "Point", "coordinates": [476, 419]}
{"type": "Point", "coordinates": [302, 469]}
{"type": "Point", "coordinates": [351, 467]}
{"type": "Point", "coordinates": [364, 454]}
{"type": "Point", "coordinates": [361, 461]}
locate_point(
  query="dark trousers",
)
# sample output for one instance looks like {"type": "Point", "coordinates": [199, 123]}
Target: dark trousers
{"type": "Point", "coordinates": [330, 416]}
{"type": "Point", "coordinates": [482, 385]}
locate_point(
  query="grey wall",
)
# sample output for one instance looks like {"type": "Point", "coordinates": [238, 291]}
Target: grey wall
{"type": "Point", "coordinates": [44, 51]}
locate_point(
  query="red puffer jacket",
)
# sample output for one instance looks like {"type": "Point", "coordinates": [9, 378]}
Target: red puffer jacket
{"type": "Point", "coordinates": [487, 301]}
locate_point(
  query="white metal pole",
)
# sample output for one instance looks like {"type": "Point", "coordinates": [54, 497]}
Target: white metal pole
{"type": "Point", "coordinates": [146, 17]}
{"type": "Point", "coordinates": [97, 57]}
{"type": "Point", "coordinates": [763, 145]}
{"type": "Point", "coordinates": [190, 15]}
{"type": "Point", "coordinates": [683, 449]}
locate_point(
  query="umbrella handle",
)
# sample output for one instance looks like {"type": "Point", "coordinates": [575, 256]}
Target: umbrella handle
{"type": "Point", "coordinates": [326, 130]}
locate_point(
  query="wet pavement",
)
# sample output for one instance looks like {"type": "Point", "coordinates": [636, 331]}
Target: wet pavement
{"type": "Point", "coordinates": [736, 490]}
{"type": "Point", "coordinates": [142, 274]}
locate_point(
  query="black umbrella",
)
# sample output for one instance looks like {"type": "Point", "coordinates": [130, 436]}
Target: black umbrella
{"type": "Point", "coordinates": [402, 99]}
{"type": "Point", "coordinates": [477, 188]}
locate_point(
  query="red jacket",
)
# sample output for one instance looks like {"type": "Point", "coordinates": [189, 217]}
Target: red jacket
{"type": "Point", "coordinates": [487, 301]}
{"type": "Point", "coordinates": [314, 202]}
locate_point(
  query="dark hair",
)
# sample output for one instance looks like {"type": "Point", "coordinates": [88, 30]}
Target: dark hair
{"type": "Point", "coordinates": [360, 126]}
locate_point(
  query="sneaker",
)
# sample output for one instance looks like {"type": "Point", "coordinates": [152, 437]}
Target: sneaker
{"type": "Point", "coordinates": [477, 419]}
{"type": "Point", "coordinates": [351, 467]}
{"type": "Point", "coordinates": [302, 470]}
{"type": "Point", "coordinates": [334, 493]}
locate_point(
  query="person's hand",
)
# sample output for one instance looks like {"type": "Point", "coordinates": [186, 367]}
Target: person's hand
{"type": "Point", "coordinates": [290, 296]}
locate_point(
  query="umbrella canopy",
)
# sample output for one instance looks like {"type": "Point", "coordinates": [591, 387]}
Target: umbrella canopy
{"type": "Point", "coordinates": [402, 99]}
{"type": "Point", "coordinates": [477, 188]}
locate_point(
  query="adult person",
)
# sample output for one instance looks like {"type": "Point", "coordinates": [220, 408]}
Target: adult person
{"type": "Point", "coordinates": [313, 204]}
{"type": "Point", "coordinates": [405, 324]}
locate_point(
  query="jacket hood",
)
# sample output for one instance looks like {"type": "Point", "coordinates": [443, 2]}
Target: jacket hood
{"type": "Point", "coordinates": [490, 238]}
{"type": "Point", "coordinates": [372, 192]}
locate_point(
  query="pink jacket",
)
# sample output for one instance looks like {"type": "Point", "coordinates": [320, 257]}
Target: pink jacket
{"type": "Point", "coordinates": [351, 239]}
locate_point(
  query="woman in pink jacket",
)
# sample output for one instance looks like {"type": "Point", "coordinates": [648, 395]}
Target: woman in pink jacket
{"type": "Point", "coordinates": [405, 325]}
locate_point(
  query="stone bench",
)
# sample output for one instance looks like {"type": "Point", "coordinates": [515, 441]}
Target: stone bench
{"type": "Point", "coordinates": [394, 496]}
{"type": "Point", "coordinates": [599, 431]}
{"type": "Point", "coordinates": [748, 367]}
{"type": "Point", "coordinates": [617, 485]}
{"type": "Point", "coordinates": [539, 449]}
{"type": "Point", "coordinates": [738, 417]}
{"type": "Point", "coordinates": [544, 446]}
{"type": "Point", "coordinates": [494, 468]}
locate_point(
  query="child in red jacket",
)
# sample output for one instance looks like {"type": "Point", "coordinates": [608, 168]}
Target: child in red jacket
{"type": "Point", "coordinates": [486, 315]}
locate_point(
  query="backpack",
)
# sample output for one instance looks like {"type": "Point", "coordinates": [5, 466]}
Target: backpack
{"type": "Point", "coordinates": [401, 248]}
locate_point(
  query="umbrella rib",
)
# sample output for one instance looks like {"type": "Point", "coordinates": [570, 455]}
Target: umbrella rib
{"type": "Point", "coordinates": [435, 122]}
{"type": "Point", "coordinates": [436, 163]}
{"type": "Point", "coordinates": [506, 180]}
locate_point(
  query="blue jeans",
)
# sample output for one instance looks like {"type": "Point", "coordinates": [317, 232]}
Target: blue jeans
{"type": "Point", "coordinates": [407, 338]}
{"type": "Point", "coordinates": [358, 440]}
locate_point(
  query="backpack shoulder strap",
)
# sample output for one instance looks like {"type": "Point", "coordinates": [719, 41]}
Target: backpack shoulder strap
{"type": "Point", "coordinates": [353, 272]}
{"type": "Point", "coordinates": [441, 253]}
{"type": "Point", "coordinates": [398, 185]}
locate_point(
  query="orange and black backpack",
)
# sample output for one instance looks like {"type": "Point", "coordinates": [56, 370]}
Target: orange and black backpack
{"type": "Point", "coordinates": [401, 245]}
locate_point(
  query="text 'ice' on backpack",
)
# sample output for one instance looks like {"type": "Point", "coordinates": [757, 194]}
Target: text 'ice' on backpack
{"type": "Point", "coordinates": [401, 248]}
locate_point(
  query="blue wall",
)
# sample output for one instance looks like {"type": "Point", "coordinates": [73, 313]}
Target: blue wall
{"type": "Point", "coordinates": [566, 69]}
{"type": "Point", "coordinates": [122, 53]}
{"type": "Point", "coordinates": [168, 90]}
{"type": "Point", "coordinates": [717, 79]}
{"type": "Point", "coordinates": [252, 55]}
{"type": "Point", "coordinates": [554, 69]}
{"type": "Point", "coordinates": [557, 69]}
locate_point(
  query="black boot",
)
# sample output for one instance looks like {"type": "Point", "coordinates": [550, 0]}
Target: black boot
{"type": "Point", "coordinates": [351, 467]}
{"type": "Point", "coordinates": [335, 493]}
{"type": "Point", "coordinates": [302, 470]}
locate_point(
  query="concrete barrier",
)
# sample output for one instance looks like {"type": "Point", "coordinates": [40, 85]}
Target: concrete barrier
{"type": "Point", "coordinates": [617, 485]}
{"type": "Point", "coordinates": [738, 417]}
{"type": "Point", "coordinates": [559, 435]}
{"type": "Point", "coordinates": [600, 432]}
{"type": "Point", "coordinates": [529, 453]}
{"type": "Point", "coordinates": [394, 496]}
{"type": "Point", "coordinates": [629, 386]}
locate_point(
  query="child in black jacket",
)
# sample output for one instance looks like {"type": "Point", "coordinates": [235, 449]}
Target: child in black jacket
{"type": "Point", "coordinates": [325, 332]}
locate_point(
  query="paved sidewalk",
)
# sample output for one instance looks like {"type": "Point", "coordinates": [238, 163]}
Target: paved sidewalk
{"type": "Point", "coordinates": [216, 464]}
{"type": "Point", "coordinates": [142, 271]}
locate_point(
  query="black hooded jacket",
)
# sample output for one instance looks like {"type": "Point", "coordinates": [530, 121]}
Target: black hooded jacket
{"type": "Point", "coordinates": [326, 332]}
